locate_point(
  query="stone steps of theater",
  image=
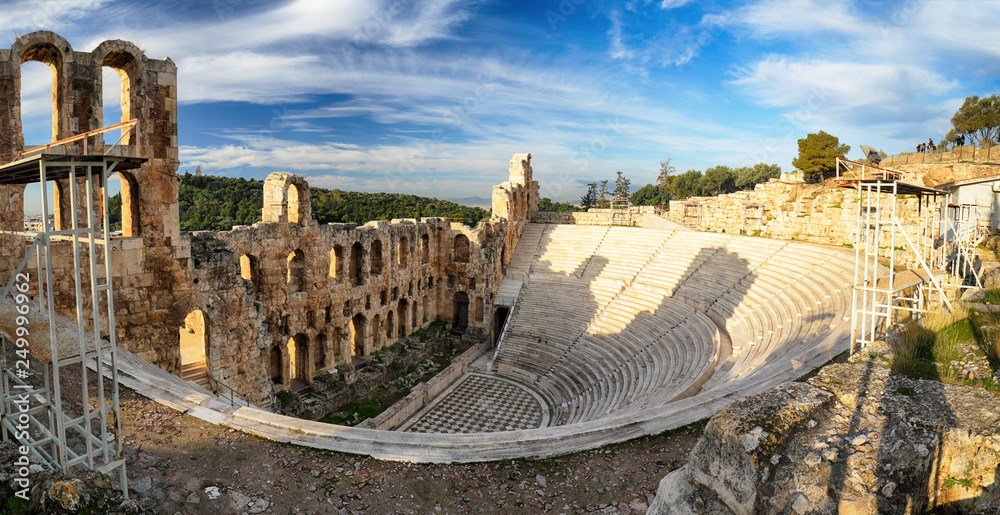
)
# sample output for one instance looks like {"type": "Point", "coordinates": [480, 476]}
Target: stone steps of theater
{"type": "Point", "coordinates": [196, 372]}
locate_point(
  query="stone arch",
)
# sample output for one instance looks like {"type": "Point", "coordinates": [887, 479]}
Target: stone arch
{"type": "Point", "coordinates": [194, 339]}
{"type": "Point", "coordinates": [318, 356]}
{"type": "Point", "coordinates": [336, 337]}
{"type": "Point", "coordinates": [460, 320]}
{"type": "Point", "coordinates": [358, 347]}
{"type": "Point", "coordinates": [53, 51]}
{"type": "Point", "coordinates": [286, 199]}
{"type": "Point", "coordinates": [403, 251]}
{"type": "Point", "coordinates": [295, 202]}
{"type": "Point", "coordinates": [461, 249]}
{"type": "Point", "coordinates": [427, 310]}
{"type": "Point", "coordinates": [129, 195]}
{"type": "Point", "coordinates": [389, 325]}
{"type": "Point", "coordinates": [425, 248]}
{"type": "Point", "coordinates": [376, 333]}
{"type": "Point", "coordinates": [479, 309]}
{"type": "Point", "coordinates": [355, 268]}
{"type": "Point", "coordinates": [126, 59]}
{"type": "Point", "coordinates": [276, 367]}
{"type": "Point", "coordinates": [250, 270]}
{"type": "Point", "coordinates": [336, 261]}
{"type": "Point", "coordinates": [298, 357]}
{"type": "Point", "coordinates": [413, 319]}
{"type": "Point", "coordinates": [375, 257]}
{"type": "Point", "coordinates": [296, 277]}
{"type": "Point", "coordinates": [403, 312]}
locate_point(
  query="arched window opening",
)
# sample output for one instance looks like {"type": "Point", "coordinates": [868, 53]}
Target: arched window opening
{"type": "Point", "coordinates": [376, 333]}
{"type": "Point", "coordinates": [250, 271]}
{"type": "Point", "coordinates": [114, 99]}
{"type": "Point", "coordinates": [319, 356]}
{"type": "Point", "coordinates": [403, 306]}
{"type": "Point", "coordinates": [461, 249]}
{"type": "Point", "coordinates": [479, 309]}
{"type": "Point", "coordinates": [425, 248]}
{"type": "Point", "coordinates": [383, 297]}
{"type": "Point", "coordinates": [116, 86]}
{"type": "Point", "coordinates": [39, 111]}
{"type": "Point", "coordinates": [123, 205]}
{"type": "Point", "coordinates": [460, 321]}
{"type": "Point", "coordinates": [388, 326]}
{"type": "Point", "coordinates": [358, 336]}
{"type": "Point", "coordinates": [404, 251]}
{"type": "Point", "coordinates": [194, 348]}
{"type": "Point", "coordinates": [298, 355]}
{"type": "Point", "coordinates": [357, 254]}
{"type": "Point", "coordinates": [275, 366]}
{"type": "Point", "coordinates": [296, 202]}
{"type": "Point", "coordinates": [336, 339]}
{"type": "Point", "coordinates": [376, 257]}
{"type": "Point", "coordinates": [296, 270]}
{"type": "Point", "coordinates": [413, 320]}
{"type": "Point", "coordinates": [426, 310]}
{"type": "Point", "coordinates": [336, 260]}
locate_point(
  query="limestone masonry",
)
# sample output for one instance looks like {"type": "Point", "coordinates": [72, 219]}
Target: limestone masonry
{"type": "Point", "coordinates": [283, 299]}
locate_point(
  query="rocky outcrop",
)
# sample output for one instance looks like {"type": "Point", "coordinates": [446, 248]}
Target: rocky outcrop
{"type": "Point", "coordinates": [853, 439]}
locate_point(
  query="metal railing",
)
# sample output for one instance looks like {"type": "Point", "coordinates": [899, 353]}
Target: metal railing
{"type": "Point", "coordinates": [131, 126]}
{"type": "Point", "coordinates": [216, 384]}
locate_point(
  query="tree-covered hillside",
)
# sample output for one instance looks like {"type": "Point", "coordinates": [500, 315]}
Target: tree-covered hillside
{"type": "Point", "coordinates": [210, 203]}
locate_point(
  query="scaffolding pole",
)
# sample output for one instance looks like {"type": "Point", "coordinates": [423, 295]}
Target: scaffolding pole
{"type": "Point", "coordinates": [65, 429]}
{"type": "Point", "coordinates": [887, 290]}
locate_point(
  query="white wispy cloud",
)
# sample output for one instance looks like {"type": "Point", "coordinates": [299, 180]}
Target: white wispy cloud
{"type": "Point", "coordinates": [29, 15]}
{"type": "Point", "coordinates": [618, 48]}
{"type": "Point", "coordinates": [673, 4]}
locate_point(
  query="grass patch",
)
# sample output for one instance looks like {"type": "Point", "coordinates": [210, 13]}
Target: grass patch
{"type": "Point", "coordinates": [926, 349]}
{"type": "Point", "coordinates": [991, 297]}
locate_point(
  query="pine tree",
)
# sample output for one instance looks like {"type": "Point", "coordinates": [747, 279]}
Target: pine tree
{"type": "Point", "coordinates": [818, 153]}
{"type": "Point", "coordinates": [622, 186]}
{"type": "Point", "coordinates": [589, 199]}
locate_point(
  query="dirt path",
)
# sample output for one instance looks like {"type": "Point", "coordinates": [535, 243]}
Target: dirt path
{"type": "Point", "coordinates": [184, 465]}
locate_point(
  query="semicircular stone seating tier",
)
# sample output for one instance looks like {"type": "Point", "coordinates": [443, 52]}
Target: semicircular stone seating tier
{"type": "Point", "coordinates": [615, 320]}
{"type": "Point", "coordinates": [618, 332]}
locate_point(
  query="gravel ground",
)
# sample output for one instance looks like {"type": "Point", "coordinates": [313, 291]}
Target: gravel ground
{"type": "Point", "coordinates": [179, 464]}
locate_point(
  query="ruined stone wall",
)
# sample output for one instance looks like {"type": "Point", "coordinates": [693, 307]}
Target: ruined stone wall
{"type": "Point", "coordinates": [787, 208]}
{"type": "Point", "coordinates": [279, 298]}
{"type": "Point", "coordinates": [149, 264]}
{"type": "Point", "coordinates": [967, 153]}
{"type": "Point", "coordinates": [594, 216]}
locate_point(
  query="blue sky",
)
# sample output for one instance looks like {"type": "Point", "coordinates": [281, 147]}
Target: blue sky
{"type": "Point", "coordinates": [432, 97]}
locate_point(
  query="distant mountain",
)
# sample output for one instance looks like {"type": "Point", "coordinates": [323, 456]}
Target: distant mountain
{"type": "Point", "coordinates": [473, 201]}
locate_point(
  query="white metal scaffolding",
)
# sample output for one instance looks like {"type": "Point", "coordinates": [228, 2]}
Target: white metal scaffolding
{"type": "Point", "coordinates": [67, 425]}
{"type": "Point", "coordinates": [888, 290]}
{"type": "Point", "coordinates": [964, 231]}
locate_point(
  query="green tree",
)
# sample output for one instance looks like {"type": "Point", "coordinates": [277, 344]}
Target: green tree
{"type": "Point", "coordinates": [664, 178]}
{"type": "Point", "coordinates": [546, 204]}
{"type": "Point", "coordinates": [589, 199]}
{"type": "Point", "coordinates": [622, 185]}
{"type": "Point", "coordinates": [746, 178]}
{"type": "Point", "coordinates": [717, 180]}
{"type": "Point", "coordinates": [650, 195]}
{"type": "Point", "coordinates": [687, 184]}
{"type": "Point", "coordinates": [603, 195]}
{"type": "Point", "coordinates": [818, 153]}
{"type": "Point", "coordinates": [979, 117]}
